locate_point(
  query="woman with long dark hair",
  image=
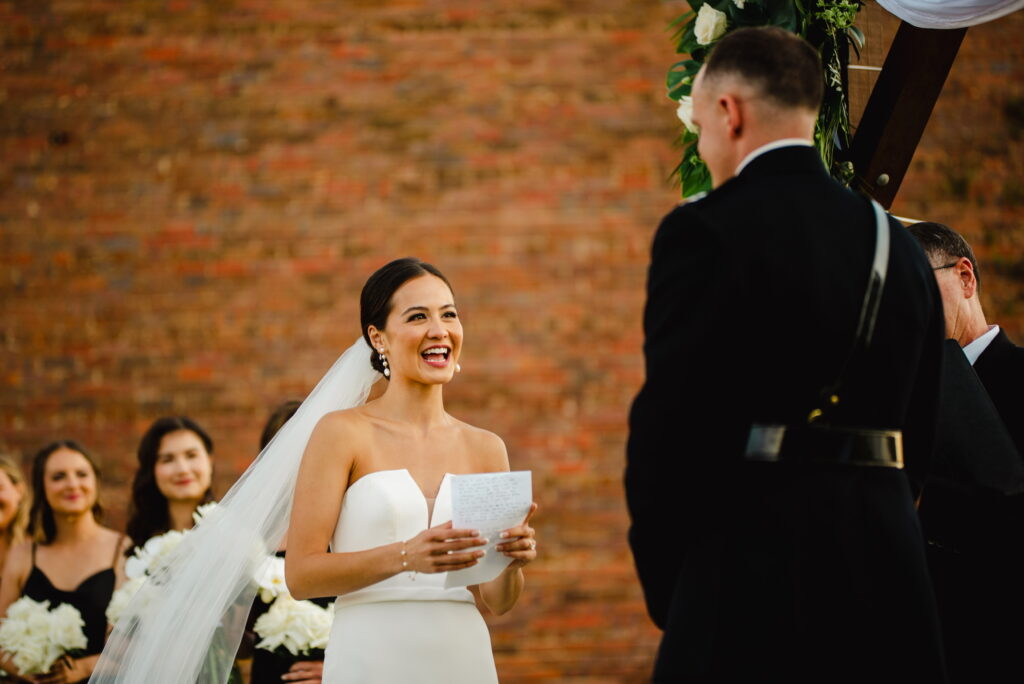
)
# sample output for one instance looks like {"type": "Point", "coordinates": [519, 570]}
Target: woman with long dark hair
{"type": "Point", "coordinates": [370, 481]}
{"type": "Point", "coordinates": [71, 558]}
{"type": "Point", "coordinates": [374, 485]}
{"type": "Point", "coordinates": [173, 479]}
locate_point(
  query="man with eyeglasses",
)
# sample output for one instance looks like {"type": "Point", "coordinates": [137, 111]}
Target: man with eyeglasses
{"type": "Point", "coordinates": [972, 507]}
{"type": "Point", "coordinates": [996, 359]}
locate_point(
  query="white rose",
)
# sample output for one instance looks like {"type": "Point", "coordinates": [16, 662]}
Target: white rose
{"type": "Point", "coordinates": [50, 655]}
{"type": "Point", "coordinates": [685, 113]}
{"type": "Point", "coordinates": [272, 625]}
{"type": "Point", "coordinates": [297, 626]}
{"type": "Point", "coordinates": [38, 624]}
{"type": "Point", "coordinates": [739, 3]}
{"type": "Point", "coordinates": [23, 607]}
{"type": "Point", "coordinates": [122, 597]}
{"type": "Point", "coordinates": [299, 630]}
{"type": "Point", "coordinates": [31, 657]}
{"type": "Point", "coordinates": [710, 25]}
{"type": "Point", "coordinates": [322, 629]}
{"type": "Point", "coordinates": [158, 550]}
{"type": "Point", "coordinates": [135, 567]}
{"type": "Point", "coordinates": [66, 626]}
{"type": "Point", "coordinates": [270, 579]}
{"type": "Point", "coordinates": [203, 511]}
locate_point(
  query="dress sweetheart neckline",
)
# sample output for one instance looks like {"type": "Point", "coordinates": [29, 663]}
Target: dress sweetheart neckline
{"type": "Point", "coordinates": [426, 499]}
{"type": "Point", "coordinates": [406, 471]}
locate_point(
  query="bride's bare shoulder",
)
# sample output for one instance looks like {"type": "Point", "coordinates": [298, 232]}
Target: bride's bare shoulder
{"type": "Point", "coordinates": [346, 419]}
{"type": "Point", "coordinates": [486, 446]}
{"type": "Point", "coordinates": [349, 427]}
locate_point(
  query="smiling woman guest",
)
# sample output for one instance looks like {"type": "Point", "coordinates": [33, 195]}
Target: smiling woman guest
{"type": "Point", "coordinates": [70, 558]}
{"type": "Point", "coordinates": [14, 504]}
{"type": "Point", "coordinates": [173, 479]}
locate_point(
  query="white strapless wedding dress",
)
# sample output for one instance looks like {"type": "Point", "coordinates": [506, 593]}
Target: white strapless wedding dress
{"type": "Point", "coordinates": [407, 628]}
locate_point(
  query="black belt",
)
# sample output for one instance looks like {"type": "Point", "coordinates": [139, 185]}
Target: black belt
{"type": "Point", "coordinates": [825, 444]}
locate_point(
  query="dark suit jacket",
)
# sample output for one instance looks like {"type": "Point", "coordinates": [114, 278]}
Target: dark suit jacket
{"type": "Point", "coordinates": [1001, 369]}
{"type": "Point", "coordinates": [972, 510]}
{"type": "Point", "coordinates": [771, 572]}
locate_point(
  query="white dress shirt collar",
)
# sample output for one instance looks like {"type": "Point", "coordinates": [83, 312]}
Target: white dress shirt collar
{"type": "Point", "coordinates": [773, 145]}
{"type": "Point", "coordinates": [975, 348]}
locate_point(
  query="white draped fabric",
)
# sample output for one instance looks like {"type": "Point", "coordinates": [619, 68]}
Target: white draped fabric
{"type": "Point", "coordinates": [950, 14]}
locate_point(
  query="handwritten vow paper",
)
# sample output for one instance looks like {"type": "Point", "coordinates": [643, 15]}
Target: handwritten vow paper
{"type": "Point", "coordinates": [491, 503]}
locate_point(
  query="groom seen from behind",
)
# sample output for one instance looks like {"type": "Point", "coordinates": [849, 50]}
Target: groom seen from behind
{"type": "Point", "coordinates": [799, 568]}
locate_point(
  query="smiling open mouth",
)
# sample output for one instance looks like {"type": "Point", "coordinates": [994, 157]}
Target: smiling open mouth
{"type": "Point", "coordinates": [436, 356]}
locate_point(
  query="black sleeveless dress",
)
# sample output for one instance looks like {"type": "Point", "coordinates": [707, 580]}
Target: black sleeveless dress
{"type": "Point", "coordinates": [90, 597]}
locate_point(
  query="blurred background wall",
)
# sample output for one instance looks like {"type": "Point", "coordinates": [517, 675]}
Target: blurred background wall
{"type": "Point", "coordinates": [192, 194]}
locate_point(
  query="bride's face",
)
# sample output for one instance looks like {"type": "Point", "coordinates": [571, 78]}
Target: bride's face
{"type": "Point", "coordinates": [423, 335]}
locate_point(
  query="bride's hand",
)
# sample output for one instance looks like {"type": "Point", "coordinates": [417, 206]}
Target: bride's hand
{"type": "Point", "coordinates": [521, 544]}
{"type": "Point", "coordinates": [442, 549]}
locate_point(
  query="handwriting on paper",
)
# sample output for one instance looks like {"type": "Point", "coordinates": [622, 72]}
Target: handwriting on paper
{"type": "Point", "coordinates": [491, 503]}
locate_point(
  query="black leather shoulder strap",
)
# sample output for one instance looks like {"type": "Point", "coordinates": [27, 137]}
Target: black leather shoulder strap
{"type": "Point", "coordinates": [830, 396]}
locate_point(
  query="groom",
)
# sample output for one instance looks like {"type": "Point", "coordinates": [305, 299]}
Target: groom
{"type": "Point", "coordinates": [799, 569]}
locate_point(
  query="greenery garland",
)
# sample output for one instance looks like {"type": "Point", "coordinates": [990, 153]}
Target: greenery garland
{"type": "Point", "coordinates": [828, 26]}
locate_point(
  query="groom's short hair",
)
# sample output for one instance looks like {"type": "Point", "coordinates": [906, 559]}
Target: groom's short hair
{"type": "Point", "coordinates": [783, 67]}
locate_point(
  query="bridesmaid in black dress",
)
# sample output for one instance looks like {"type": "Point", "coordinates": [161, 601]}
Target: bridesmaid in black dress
{"type": "Point", "coordinates": [70, 557]}
{"type": "Point", "coordinates": [173, 479]}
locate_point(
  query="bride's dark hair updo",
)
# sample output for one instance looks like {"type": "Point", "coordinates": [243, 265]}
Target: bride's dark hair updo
{"type": "Point", "coordinates": [375, 300]}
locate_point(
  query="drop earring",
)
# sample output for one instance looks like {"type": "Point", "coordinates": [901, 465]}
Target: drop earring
{"type": "Point", "coordinates": [458, 368]}
{"type": "Point", "coordinates": [384, 362]}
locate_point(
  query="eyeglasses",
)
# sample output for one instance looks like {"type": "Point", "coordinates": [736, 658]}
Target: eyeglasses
{"type": "Point", "coordinates": [939, 268]}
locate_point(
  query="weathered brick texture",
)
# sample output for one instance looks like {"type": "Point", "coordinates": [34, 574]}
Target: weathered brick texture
{"type": "Point", "coordinates": [192, 193]}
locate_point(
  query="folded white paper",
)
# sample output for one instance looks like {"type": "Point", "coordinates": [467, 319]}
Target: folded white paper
{"type": "Point", "coordinates": [491, 503]}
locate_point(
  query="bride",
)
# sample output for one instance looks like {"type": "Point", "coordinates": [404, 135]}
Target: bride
{"type": "Point", "coordinates": [373, 485]}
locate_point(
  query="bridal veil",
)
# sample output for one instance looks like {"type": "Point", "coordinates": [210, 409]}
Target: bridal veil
{"type": "Point", "coordinates": [186, 622]}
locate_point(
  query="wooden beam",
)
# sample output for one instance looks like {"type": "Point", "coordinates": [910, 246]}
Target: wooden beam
{"type": "Point", "coordinates": [899, 107]}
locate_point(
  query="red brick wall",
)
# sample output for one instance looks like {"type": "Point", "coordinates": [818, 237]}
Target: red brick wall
{"type": "Point", "coordinates": [968, 171]}
{"type": "Point", "coordinates": [192, 194]}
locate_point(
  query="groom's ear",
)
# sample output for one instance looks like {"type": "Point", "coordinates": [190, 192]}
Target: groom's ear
{"type": "Point", "coordinates": [731, 109]}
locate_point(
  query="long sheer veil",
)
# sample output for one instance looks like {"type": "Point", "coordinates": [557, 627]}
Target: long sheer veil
{"type": "Point", "coordinates": [185, 623]}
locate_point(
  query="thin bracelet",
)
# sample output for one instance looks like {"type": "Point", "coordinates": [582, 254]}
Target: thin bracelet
{"type": "Point", "coordinates": [405, 562]}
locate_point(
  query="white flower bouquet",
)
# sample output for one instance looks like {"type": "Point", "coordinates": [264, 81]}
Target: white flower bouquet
{"type": "Point", "coordinates": [119, 601]}
{"type": "Point", "coordinates": [36, 637]}
{"type": "Point", "coordinates": [293, 628]}
{"type": "Point", "coordinates": [204, 511]}
{"type": "Point", "coordinates": [152, 555]}
{"type": "Point", "coordinates": [145, 561]}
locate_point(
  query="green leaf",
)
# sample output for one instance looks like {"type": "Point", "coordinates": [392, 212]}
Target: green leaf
{"type": "Point", "coordinates": [681, 18]}
{"type": "Point", "coordinates": [680, 78]}
{"type": "Point", "coordinates": [696, 180]}
{"type": "Point", "coordinates": [688, 44]}
{"type": "Point", "coordinates": [856, 37]}
{"type": "Point", "coordinates": [782, 13]}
